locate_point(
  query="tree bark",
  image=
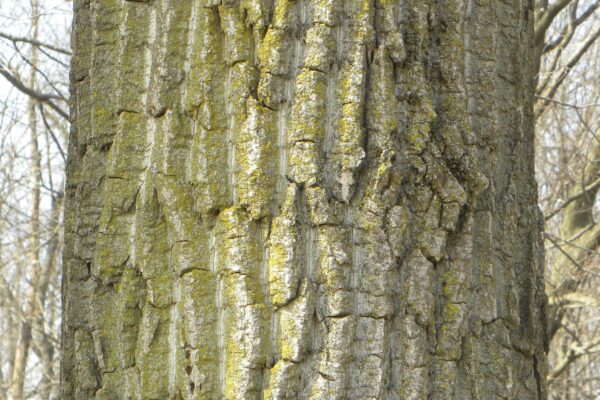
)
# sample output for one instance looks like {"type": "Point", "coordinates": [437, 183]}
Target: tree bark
{"type": "Point", "coordinates": [303, 199]}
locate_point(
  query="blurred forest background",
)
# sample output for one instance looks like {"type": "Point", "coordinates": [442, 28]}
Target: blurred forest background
{"type": "Point", "coordinates": [34, 130]}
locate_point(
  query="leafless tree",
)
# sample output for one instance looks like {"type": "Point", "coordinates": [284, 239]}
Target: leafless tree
{"type": "Point", "coordinates": [568, 165]}
{"type": "Point", "coordinates": [33, 133]}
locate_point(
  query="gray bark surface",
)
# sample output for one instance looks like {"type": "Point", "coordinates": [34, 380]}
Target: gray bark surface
{"type": "Point", "coordinates": [303, 199]}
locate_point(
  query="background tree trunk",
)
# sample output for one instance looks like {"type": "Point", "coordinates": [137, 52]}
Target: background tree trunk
{"type": "Point", "coordinates": [34, 271]}
{"type": "Point", "coordinates": [303, 200]}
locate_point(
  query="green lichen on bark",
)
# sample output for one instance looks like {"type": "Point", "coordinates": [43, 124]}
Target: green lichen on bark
{"type": "Point", "coordinates": [301, 199]}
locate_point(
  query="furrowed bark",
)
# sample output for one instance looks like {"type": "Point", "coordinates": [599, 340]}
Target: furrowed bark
{"type": "Point", "coordinates": [302, 200]}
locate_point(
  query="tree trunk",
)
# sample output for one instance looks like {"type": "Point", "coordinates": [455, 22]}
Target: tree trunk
{"type": "Point", "coordinates": [302, 199]}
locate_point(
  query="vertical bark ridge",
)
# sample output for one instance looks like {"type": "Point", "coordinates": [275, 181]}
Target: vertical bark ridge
{"type": "Point", "coordinates": [287, 200]}
{"type": "Point", "coordinates": [414, 312]}
{"type": "Point", "coordinates": [278, 59]}
{"type": "Point", "coordinates": [480, 66]}
{"type": "Point", "coordinates": [245, 314]}
{"type": "Point", "coordinates": [334, 263]}
{"type": "Point", "coordinates": [206, 92]}
{"type": "Point", "coordinates": [347, 152]}
{"type": "Point", "coordinates": [168, 201]}
{"type": "Point", "coordinates": [489, 349]}
{"type": "Point", "coordinates": [374, 300]}
{"type": "Point", "coordinates": [137, 141]}
{"type": "Point", "coordinates": [454, 140]}
{"type": "Point", "coordinates": [90, 141]}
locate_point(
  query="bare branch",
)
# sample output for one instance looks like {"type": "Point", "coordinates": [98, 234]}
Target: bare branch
{"type": "Point", "coordinates": [60, 95]}
{"type": "Point", "coordinates": [573, 354]}
{"type": "Point", "coordinates": [41, 97]}
{"type": "Point", "coordinates": [540, 108]}
{"type": "Point", "coordinates": [590, 188]}
{"type": "Point", "coordinates": [570, 28]}
{"type": "Point", "coordinates": [52, 135]}
{"type": "Point", "coordinates": [35, 43]}
{"type": "Point", "coordinates": [546, 19]}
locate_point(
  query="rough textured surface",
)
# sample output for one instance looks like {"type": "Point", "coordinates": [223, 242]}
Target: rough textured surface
{"type": "Point", "coordinates": [302, 199]}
